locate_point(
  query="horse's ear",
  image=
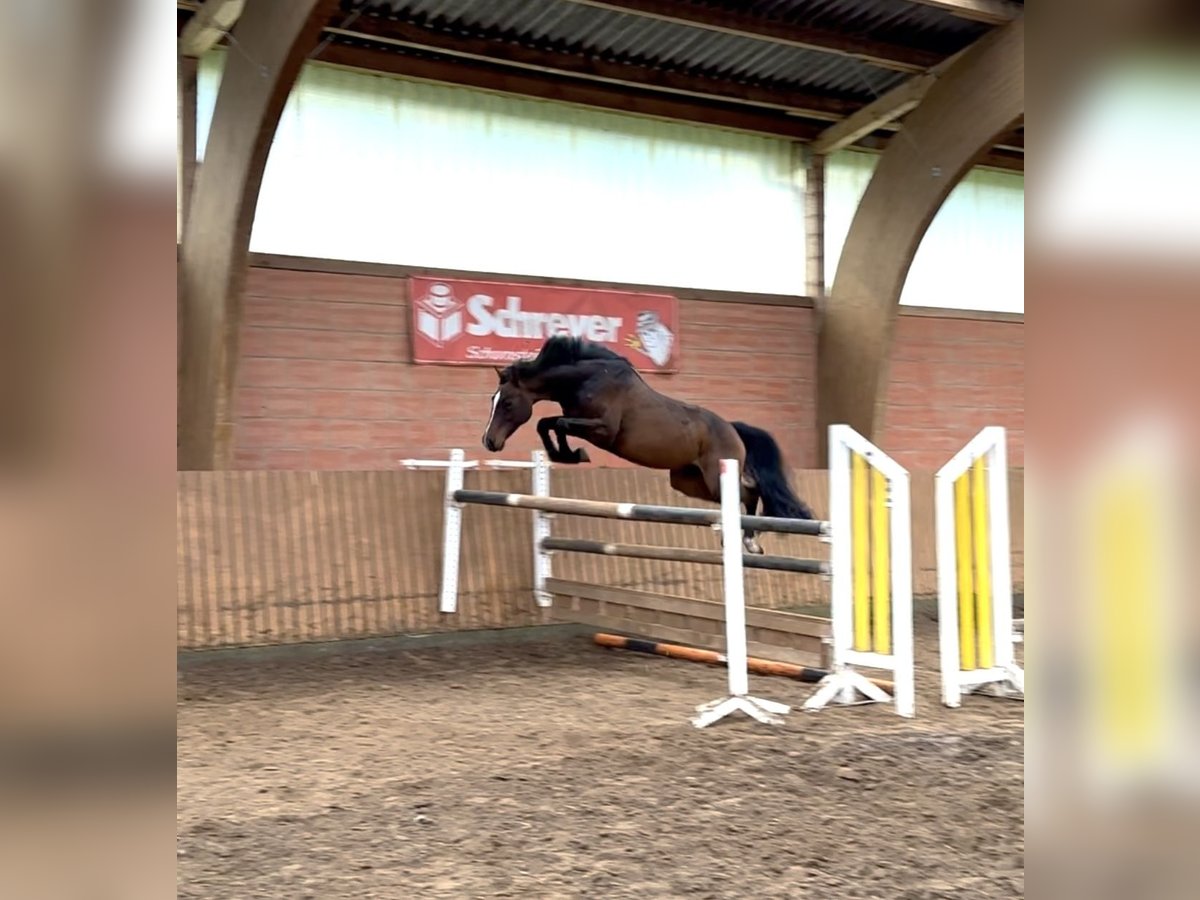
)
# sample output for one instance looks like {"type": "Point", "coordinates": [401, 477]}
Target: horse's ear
{"type": "Point", "coordinates": [499, 371]}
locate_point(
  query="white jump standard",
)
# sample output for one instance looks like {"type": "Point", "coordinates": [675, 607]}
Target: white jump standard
{"type": "Point", "coordinates": [739, 699]}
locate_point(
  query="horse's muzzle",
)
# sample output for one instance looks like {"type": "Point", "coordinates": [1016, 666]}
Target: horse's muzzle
{"type": "Point", "coordinates": [489, 444]}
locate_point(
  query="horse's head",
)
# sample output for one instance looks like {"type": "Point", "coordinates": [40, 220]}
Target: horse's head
{"type": "Point", "coordinates": [512, 405]}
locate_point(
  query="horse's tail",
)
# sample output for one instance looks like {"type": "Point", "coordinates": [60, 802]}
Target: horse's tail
{"type": "Point", "coordinates": [764, 463]}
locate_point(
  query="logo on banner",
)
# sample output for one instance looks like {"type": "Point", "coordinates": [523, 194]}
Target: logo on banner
{"type": "Point", "coordinates": [653, 338]}
{"type": "Point", "coordinates": [440, 315]}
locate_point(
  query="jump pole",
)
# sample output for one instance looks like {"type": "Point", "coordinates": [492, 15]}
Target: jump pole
{"type": "Point", "coordinates": [766, 711]}
{"type": "Point", "coordinates": [687, 554]}
{"type": "Point", "coordinates": [638, 512]}
{"type": "Point", "coordinates": [806, 674]}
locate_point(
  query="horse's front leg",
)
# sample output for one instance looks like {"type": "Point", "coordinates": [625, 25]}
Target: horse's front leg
{"type": "Point", "coordinates": [594, 431]}
{"type": "Point", "coordinates": [561, 453]}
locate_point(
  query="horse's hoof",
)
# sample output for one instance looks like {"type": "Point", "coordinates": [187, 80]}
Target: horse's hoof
{"type": "Point", "coordinates": [752, 546]}
{"type": "Point", "coordinates": [581, 456]}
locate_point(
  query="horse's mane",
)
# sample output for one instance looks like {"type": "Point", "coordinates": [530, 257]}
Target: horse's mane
{"type": "Point", "coordinates": [562, 350]}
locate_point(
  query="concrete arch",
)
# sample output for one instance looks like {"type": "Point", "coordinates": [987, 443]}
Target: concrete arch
{"type": "Point", "coordinates": [978, 98]}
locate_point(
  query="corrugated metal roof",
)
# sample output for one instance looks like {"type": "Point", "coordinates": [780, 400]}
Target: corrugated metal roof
{"type": "Point", "coordinates": [576, 28]}
{"type": "Point", "coordinates": [900, 21]}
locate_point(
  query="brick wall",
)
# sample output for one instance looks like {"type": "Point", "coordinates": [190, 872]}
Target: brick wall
{"type": "Point", "coordinates": [325, 380]}
{"type": "Point", "coordinates": [949, 377]}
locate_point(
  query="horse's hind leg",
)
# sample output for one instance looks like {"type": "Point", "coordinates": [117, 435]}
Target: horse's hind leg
{"type": "Point", "coordinates": [750, 500]}
{"type": "Point", "coordinates": [690, 482]}
{"type": "Point", "coordinates": [711, 473]}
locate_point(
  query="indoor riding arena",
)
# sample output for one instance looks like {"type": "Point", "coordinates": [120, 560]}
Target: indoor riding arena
{"type": "Point", "coordinates": [446, 630]}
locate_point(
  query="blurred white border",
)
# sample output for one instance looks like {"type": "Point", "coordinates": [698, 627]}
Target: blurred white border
{"type": "Point", "coordinates": [140, 136]}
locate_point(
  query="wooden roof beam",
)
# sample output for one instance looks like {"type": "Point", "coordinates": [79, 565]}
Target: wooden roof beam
{"type": "Point", "coordinates": [874, 115]}
{"type": "Point", "coordinates": [878, 53]}
{"type": "Point", "coordinates": [880, 112]}
{"type": "Point", "coordinates": [548, 86]}
{"type": "Point", "coordinates": [994, 12]}
{"type": "Point", "coordinates": [211, 22]}
{"type": "Point", "coordinates": [592, 68]}
{"type": "Point", "coordinates": [1014, 140]}
{"type": "Point", "coordinates": [1006, 161]}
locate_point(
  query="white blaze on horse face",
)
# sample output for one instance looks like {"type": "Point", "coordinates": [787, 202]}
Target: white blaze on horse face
{"type": "Point", "coordinates": [495, 403]}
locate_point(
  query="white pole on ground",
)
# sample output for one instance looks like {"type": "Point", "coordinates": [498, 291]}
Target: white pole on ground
{"type": "Point", "coordinates": [766, 711]}
{"type": "Point", "coordinates": [541, 530]}
{"type": "Point", "coordinates": [451, 533]}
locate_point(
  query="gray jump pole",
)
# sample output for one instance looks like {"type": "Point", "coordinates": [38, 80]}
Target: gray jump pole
{"type": "Point", "coordinates": [684, 554]}
{"type": "Point", "coordinates": [671, 515]}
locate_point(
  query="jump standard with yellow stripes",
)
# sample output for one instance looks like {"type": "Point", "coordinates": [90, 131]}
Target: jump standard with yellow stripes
{"type": "Point", "coordinates": [870, 530]}
{"type": "Point", "coordinates": [975, 604]}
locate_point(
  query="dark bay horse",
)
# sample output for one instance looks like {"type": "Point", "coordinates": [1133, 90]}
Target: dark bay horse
{"type": "Point", "coordinates": [606, 403]}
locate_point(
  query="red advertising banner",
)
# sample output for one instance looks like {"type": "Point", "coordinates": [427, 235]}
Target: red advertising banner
{"type": "Point", "coordinates": [485, 323]}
